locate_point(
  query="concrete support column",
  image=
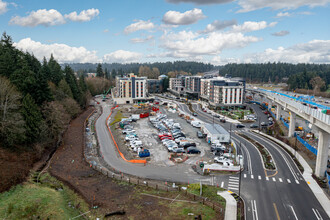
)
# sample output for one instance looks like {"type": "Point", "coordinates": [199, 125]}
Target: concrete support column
{"type": "Point", "coordinates": [278, 112]}
{"type": "Point", "coordinates": [322, 153]}
{"type": "Point", "coordinates": [292, 125]}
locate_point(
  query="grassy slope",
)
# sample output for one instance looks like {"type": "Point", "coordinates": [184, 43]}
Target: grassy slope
{"type": "Point", "coordinates": [41, 201]}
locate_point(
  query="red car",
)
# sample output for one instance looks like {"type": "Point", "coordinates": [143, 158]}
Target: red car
{"type": "Point", "coordinates": [165, 135]}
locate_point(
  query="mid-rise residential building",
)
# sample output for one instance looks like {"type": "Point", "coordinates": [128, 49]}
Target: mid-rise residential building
{"type": "Point", "coordinates": [176, 85]}
{"type": "Point", "coordinates": [130, 89]}
{"type": "Point", "coordinates": [222, 91]}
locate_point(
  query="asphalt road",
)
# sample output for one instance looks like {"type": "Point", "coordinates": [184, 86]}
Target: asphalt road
{"type": "Point", "coordinates": [265, 197]}
{"type": "Point", "coordinates": [279, 195]}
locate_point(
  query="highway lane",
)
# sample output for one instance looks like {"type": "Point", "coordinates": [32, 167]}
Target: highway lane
{"type": "Point", "coordinates": [274, 197]}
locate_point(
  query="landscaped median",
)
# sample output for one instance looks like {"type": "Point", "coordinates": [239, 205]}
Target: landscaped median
{"type": "Point", "coordinates": [267, 159]}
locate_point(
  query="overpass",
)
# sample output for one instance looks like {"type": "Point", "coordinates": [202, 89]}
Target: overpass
{"type": "Point", "coordinates": [314, 116]}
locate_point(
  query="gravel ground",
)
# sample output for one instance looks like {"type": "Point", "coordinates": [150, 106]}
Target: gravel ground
{"type": "Point", "coordinates": [159, 154]}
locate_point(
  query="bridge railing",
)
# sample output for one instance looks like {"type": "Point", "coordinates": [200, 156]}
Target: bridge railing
{"type": "Point", "coordinates": [302, 108]}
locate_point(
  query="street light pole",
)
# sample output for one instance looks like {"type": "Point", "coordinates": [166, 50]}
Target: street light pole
{"type": "Point", "coordinates": [240, 172]}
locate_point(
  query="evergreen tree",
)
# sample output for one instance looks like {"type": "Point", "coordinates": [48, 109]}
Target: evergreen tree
{"type": "Point", "coordinates": [99, 71]}
{"type": "Point", "coordinates": [32, 117]}
{"type": "Point", "coordinates": [65, 89]}
{"type": "Point", "coordinates": [56, 74]}
{"type": "Point", "coordinates": [72, 82]}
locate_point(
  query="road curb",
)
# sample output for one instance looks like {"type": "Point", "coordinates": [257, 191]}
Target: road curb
{"type": "Point", "coordinates": [316, 189]}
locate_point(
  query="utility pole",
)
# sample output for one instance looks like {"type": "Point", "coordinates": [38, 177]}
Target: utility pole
{"type": "Point", "coordinates": [230, 133]}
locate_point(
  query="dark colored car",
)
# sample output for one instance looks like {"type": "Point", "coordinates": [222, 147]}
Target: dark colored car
{"type": "Point", "coordinates": [193, 150]}
{"type": "Point", "coordinates": [222, 120]}
{"type": "Point", "coordinates": [187, 144]}
{"type": "Point", "coordinates": [200, 134]}
{"type": "Point", "coordinates": [240, 126]}
{"type": "Point", "coordinates": [254, 126]}
{"type": "Point", "coordinates": [178, 135]}
{"type": "Point", "coordinates": [194, 114]}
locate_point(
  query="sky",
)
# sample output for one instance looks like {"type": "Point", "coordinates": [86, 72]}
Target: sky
{"type": "Point", "coordinates": [209, 31]}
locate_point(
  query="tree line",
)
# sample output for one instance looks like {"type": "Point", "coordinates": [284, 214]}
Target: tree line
{"type": "Point", "coordinates": [163, 68]}
{"type": "Point", "coordinates": [296, 75]}
{"type": "Point", "coordinates": [37, 99]}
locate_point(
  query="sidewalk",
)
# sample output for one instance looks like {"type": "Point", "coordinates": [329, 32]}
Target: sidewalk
{"type": "Point", "coordinates": [316, 189]}
{"type": "Point", "coordinates": [231, 205]}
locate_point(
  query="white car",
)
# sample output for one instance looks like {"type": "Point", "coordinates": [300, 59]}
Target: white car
{"type": "Point", "coordinates": [222, 159]}
{"type": "Point", "coordinates": [131, 138]}
{"type": "Point", "coordinates": [128, 131]}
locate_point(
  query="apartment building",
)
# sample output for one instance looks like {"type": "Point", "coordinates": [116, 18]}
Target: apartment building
{"type": "Point", "coordinates": [130, 89]}
{"type": "Point", "coordinates": [222, 91]}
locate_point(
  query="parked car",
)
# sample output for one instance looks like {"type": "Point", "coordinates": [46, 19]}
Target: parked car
{"type": "Point", "coordinates": [200, 134]}
{"type": "Point", "coordinates": [177, 140]}
{"type": "Point", "coordinates": [240, 126]}
{"type": "Point", "coordinates": [187, 144]}
{"type": "Point", "coordinates": [223, 120]}
{"type": "Point", "coordinates": [263, 124]}
{"type": "Point", "coordinates": [128, 131]}
{"type": "Point", "coordinates": [218, 147]}
{"type": "Point", "coordinates": [178, 150]}
{"type": "Point", "coordinates": [222, 159]}
{"type": "Point", "coordinates": [194, 114]}
{"type": "Point", "coordinates": [179, 135]}
{"type": "Point", "coordinates": [254, 126]}
{"type": "Point", "coordinates": [193, 150]}
{"type": "Point", "coordinates": [270, 123]}
{"type": "Point", "coordinates": [131, 137]}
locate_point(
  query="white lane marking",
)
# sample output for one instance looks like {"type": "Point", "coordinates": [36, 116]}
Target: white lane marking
{"type": "Point", "coordinates": [222, 184]}
{"type": "Point", "coordinates": [233, 184]}
{"type": "Point", "coordinates": [244, 175]}
{"type": "Point", "coordinates": [252, 177]}
{"type": "Point", "coordinates": [267, 178]}
{"type": "Point", "coordinates": [289, 181]}
{"type": "Point", "coordinates": [233, 188]}
{"type": "Point", "coordinates": [280, 179]}
{"type": "Point", "coordinates": [254, 209]}
{"type": "Point", "coordinates": [294, 213]}
{"type": "Point", "coordinates": [274, 179]}
{"type": "Point", "coordinates": [295, 176]}
{"type": "Point", "coordinates": [297, 181]}
{"type": "Point", "coordinates": [259, 177]}
{"type": "Point", "coordinates": [317, 214]}
{"type": "Point", "coordinates": [233, 177]}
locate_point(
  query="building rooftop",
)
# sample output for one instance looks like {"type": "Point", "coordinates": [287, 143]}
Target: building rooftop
{"type": "Point", "coordinates": [215, 129]}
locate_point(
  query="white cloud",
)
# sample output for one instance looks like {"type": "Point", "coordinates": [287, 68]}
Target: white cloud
{"type": "Point", "coordinates": [249, 26]}
{"type": "Point", "coordinates": [281, 33]}
{"type": "Point", "coordinates": [200, 2]}
{"type": "Point", "coordinates": [61, 52]}
{"type": "Point", "coordinates": [218, 25]}
{"type": "Point", "coordinates": [52, 17]}
{"type": "Point", "coordinates": [85, 15]}
{"type": "Point", "coordinates": [178, 18]}
{"type": "Point", "coordinates": [105, 30]}
{"type": "Point", "coordinates": [122, 56]}
{"type": "Point", "coordinates": [41, 17]}
{"type": "Point", "coordinates": [315, 51]}
{"type": "Point", "coordinates": [251, 5]}
{"type": "Point", "coordinates": [142, 40]}
{"type": "Point", "coordinates": [187, 44]}
{"type": "Point", "coordinates": [3, 7]}
{"type": "Point", "coordinates": [283, 14]}
{"type": "Point", "coordinates": [139, 25]}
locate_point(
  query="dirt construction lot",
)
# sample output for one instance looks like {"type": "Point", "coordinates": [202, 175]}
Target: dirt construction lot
{"type": "Point", "coordinates": [108, 195]}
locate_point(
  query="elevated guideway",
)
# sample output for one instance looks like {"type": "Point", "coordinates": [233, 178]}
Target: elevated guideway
{"type": "Point", "coordinates": [314, 116]}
